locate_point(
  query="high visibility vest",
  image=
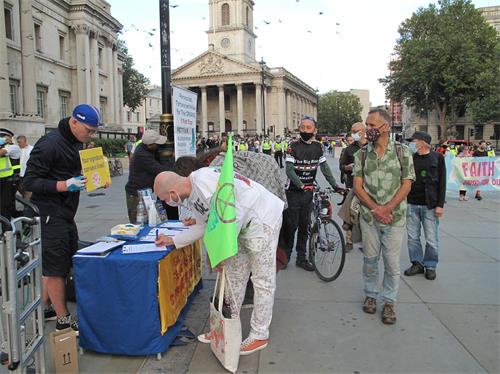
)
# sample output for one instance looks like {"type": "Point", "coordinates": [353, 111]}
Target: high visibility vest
{"type": "Point", "coordinates": [266, 146]}
{"type": "Point", "coordinates": [243, 147]}
{"type": "Point", "coordinates": [491, 153]}
{"type": "Point", "coordinates": [285, 147]}
{"type": "Point", "coordinates": [278, 146]}
{"type": "Point", "coordinates": [454, 152]}
{"type": "Point", "coordinates": [6, 169]}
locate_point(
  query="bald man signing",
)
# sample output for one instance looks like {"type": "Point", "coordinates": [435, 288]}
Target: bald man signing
{"type": "Point", "coordinates": [258, 216]}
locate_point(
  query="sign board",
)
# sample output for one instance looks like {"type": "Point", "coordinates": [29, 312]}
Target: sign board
{"type": "Point", "coordinates": [184, 104]}
{"type": "Point", "coordinates": [473, 173]}
{"type": "Point", "coordinates": [95, 168]}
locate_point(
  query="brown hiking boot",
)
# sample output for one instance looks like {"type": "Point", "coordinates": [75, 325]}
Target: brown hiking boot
{"type": "Point", "coordinates": [388, 314]}
{"type": "Point", "coordinates": [370, 305]}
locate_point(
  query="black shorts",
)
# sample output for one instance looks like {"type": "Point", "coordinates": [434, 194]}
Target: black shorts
{"type": "Point", "coordinates": [59, 244]}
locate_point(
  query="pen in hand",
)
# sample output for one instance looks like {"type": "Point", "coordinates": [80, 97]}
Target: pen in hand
{"type": "Point", "coordinates": [156, 234]}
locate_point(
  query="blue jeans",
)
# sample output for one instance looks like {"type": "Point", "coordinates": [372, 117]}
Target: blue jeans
{"type": "Point", "coordinates": [420, 216]}
{"type": "Point", "coordinates": [386, 240]}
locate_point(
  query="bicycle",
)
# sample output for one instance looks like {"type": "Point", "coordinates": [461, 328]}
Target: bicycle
{"type": "Point", "coordinates": [326, 241]}
{"type": "Point", "coordinates": [115, 167]}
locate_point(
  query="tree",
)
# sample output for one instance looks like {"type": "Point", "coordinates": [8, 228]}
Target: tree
{"type": "Point", "coordinates": [134, 83]}
{"type": "Point", "coordinates": [446, 59]}
{"type": "Point", "coordinates": [338, 111]}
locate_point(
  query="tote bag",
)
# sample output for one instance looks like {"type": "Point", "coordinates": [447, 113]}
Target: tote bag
{"type": "Point", "coordinates": [225, 332]}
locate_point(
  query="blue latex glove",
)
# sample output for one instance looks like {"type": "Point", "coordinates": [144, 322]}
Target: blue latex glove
{"type": "Point", "coordinates": [76, 184]}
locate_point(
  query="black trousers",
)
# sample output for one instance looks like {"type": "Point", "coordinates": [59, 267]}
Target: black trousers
{"type": "Point", "coordinates": [296, 216]}
{"type": "Point", "coordinates": [278, 156]}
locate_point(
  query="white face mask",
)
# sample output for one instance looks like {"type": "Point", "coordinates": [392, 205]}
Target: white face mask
{"type": "Point", "coordinates": [175, 203]}
{"type": "Point", "coordinates": [356, 137]}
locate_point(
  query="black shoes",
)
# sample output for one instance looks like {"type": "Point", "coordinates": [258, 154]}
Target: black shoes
{"type": "Point", "coordinates": [414, 269]}
{"type": "Point", "coordinates": [430, 274]}
{"type": "Point", "coordinates": [67, 322]}
{"type": "Point", "coordinates": [304, 264]}
{"type": "Point", "coordinates": [49, 314]}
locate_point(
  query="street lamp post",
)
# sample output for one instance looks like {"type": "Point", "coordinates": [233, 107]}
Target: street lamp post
{"type": "Point", "coordinates": [263, 65]}
{"type": "Point", "coordinates": [166, 118]}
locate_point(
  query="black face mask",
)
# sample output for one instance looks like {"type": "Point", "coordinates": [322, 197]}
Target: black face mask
{"type": "Point", "coordinates": [306, 136]}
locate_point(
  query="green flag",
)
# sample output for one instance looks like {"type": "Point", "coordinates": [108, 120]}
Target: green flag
{"type": "Point", "coordinates": [221, 239]}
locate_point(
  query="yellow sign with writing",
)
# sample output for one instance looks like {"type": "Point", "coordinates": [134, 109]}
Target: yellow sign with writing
{"type": "Point", "coordinates": [95, 168]}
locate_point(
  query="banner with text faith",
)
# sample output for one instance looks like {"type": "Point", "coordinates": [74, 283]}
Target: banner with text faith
{"type": "Point", "coordinates": [221, 236]}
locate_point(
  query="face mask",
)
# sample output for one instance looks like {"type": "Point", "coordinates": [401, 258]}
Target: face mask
{"type": "Point", "coordinates": [413, 148]}
{"type": "Point", "coordinates": [176, 203]}
{"type": "Point", "coordinates": [372, 134]}
{"type": "Point", "coordinates": [306, 136]}
{"type": "Point", "coordinates": [356, 137]}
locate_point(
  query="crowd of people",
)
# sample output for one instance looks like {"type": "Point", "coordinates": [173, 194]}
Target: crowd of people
{"type": "Point", "coordinates": [401, 188]}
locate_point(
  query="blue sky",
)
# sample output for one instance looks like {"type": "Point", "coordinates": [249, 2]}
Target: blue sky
{"type": "Point", "coordinates": [347, 46]}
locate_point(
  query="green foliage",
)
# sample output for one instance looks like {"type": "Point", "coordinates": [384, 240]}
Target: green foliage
{"type": "Point", "coordinates": [338, 111]}
{"type": "Point", "coordinates": [446, 59]}
{"type": "Point", "coordinates": [113, 147]}
{"type": "Point", "coordinates": [134, 82]}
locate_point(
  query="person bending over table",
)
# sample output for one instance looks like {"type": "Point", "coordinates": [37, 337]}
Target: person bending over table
{"type": "Point", "coordinates": [258, 216]}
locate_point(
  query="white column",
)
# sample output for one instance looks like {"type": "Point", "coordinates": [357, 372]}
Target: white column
{"type": "Point", "coordinates": [83, 63]}
{"type": "Point", "coordinates": [222, 112]}
{"type": "Point", "coordinates": [116, 89]}
{"type": "Point", "coordinates": [279, 127]}
{"type": "Point", "coordinates": [266, 110]}
{"type": "Point", "coordinates": [94, 63]}
{"type": "Point", "coordinates": [288, 120]}
{"type": "Point", "coordinates": [111, 83]}
{"type": "Point", "coordinates": [120, 118]}
{"type": "Point", "coordinates": [28, 62]}
{"type": "Point", "coordinates": [4, 67]}
{"type": "Point", "coordinates": [258, 108]}
{"type": "Point", "coordinates": [239, 95]}
{"type": "Point", "coordinates": [204, 111]}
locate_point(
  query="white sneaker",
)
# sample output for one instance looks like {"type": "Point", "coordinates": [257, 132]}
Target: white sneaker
{"type": "Point", "coordinates": [205, 338]}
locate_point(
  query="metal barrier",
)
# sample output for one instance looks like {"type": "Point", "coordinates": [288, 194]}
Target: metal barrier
{"type": "Point", "coordinates": [22, 313]}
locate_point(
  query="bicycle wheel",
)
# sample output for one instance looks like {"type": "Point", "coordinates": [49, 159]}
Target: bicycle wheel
{"type": "Point", "coordinates": [119, 167]}
{"type": "Point", "coordinates": [111, 169]}
{"type": "Point", "coordinates": [327, 249]}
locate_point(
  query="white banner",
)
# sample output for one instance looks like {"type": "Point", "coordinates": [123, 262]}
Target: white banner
{"type": "Point", "coordinates": [184, 104]}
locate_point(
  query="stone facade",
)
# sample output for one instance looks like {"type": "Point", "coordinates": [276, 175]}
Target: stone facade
{"type": "Point", "coordinates": [140, 117]}
{"type": "Point", "coordinates": [55, 54]}
{"type": "Point", "coordinates": [235, 92]}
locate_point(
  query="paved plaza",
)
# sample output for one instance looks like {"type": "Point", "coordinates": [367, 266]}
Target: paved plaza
{"type": "Point", "coordinates": [450, 325]}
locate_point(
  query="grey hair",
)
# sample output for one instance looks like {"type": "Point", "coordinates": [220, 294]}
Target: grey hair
{"type": "Point", "coordinates": [382, 113]}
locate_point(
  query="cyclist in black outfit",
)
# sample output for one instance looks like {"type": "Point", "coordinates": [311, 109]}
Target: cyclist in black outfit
{"type": "Point", "coordinates": [303, 159]}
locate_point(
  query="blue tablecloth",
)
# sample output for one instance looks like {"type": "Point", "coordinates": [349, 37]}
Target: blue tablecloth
{"type": "Point", "coordinates": [117, 304]}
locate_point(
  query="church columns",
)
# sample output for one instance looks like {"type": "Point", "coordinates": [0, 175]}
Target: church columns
{"type": "Point", "coordinates": [239, 94]}
{"type": "Point", "coordinates": [111, 82]}
{"type": "Point", "coordinates": [28, 57]}
{"type": "Point", "coordinates": [258, 108]}
{"type": "Point", "coordinates": [279, 127]}
{"type": "Point", "coordinates": [94, 60]}
{"type": "Point", "coordinates": [4, 67]}
{"type": "Point", "coordinates": [266, 111]}
{"type": "Point", "coordinates": [204, 111]}
{"type": "Point", "coordinates": [222, 112]}
{"type": "Point", "coordinates": [288, 119]}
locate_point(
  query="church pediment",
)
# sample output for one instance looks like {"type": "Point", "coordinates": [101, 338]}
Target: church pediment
{"type": "Point", "coordinates": [212, 64]}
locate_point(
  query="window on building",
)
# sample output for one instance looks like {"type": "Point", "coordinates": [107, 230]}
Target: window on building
{"type": "Point", "coordinates": [225, 14]}
{"type": "Point", "coordinates": [129, 116]}
{"type": "Point", "coordinates": [8, 23]}
{"type": "Point", "coordinates": [62, 49]}
{"type": "Point", "coordinates": [38, 37]}
{"type": "Point", "coordinates": [99, 58]}
{"type": "Point", "coordinates": [41, 95]}
{"type": "Point", "coordinates": [103, 103]}
{"type": "Point", "coordinates": [460, 132]}
{"type": "Point", "coordinates": [138, 116]}
{"type": "Point", "coordinates": [478, 132]}
{"type": "Point", "coordinates": [247, 17]}
{"type": "Point", "coordinates": [227, 103]}
{"type": "Point", "coordinates": [14, 96]}
{"type": "Point", "coordinates": [64, 103]}
{"type": "Point", "coordinates": [150, 102]}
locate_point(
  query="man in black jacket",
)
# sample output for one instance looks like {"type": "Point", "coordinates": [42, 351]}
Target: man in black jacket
{"type": "Point", "coordinates": [144, 167]}
{"type": "Point", "coordinates": [346, 165]}
{"type": "Point", "coordinates": [425, 205]}
{"type": "Point", "coordinates": [53, 174]}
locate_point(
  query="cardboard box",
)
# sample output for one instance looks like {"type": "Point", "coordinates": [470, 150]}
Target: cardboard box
{"type": "Point", "coordinates": [64, 351]}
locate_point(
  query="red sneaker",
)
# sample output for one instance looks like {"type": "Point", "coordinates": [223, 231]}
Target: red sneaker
{"type": "Point", "coordinates": [251, 345]}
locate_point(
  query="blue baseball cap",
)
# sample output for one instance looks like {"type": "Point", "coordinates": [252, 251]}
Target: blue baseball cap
{"type": "Point", "coordinates": [87, 114]}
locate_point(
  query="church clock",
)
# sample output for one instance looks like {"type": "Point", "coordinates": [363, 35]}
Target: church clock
{"type": "Point", "coordinates": [225, 43]}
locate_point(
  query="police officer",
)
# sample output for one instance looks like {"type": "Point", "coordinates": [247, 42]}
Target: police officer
{"type": "Point", "coordinates": [266, 146]}
{"type": "Point", "coordinates": [10, 167]}
{"type": "Point", "coordinates": [278, 151]}
{"type": "Point", "coordinates": [303, 160]}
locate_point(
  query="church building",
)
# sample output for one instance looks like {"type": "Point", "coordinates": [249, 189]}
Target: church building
{"type": "Point", "coordinates": [235, 91]}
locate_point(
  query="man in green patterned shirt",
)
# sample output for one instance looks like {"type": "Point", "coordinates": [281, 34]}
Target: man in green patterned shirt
{"type": "Point", "coordinates": [383, 174]}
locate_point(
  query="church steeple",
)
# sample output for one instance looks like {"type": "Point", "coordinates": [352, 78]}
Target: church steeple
{"type": "Point", "coordinates": [231, 28]}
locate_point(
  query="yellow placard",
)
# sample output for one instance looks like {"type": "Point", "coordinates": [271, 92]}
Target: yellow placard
{"type": "Point", "coordinates": [95, 168]}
